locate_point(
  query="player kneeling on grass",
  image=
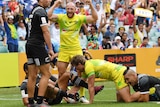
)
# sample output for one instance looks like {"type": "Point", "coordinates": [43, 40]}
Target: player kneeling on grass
{"type": "Point", "coordinates": [148, 86]}
{"type": "Point", "coordinates": [56, 89]}
{"type": "Point", "coordinates": [96, 68]}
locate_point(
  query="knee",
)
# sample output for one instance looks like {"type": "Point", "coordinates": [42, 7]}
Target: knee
{"type": "Point", "coordinates": [66, 75]}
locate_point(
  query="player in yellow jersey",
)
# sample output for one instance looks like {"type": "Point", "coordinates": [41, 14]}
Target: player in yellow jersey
{"type": "Point", "coordinates": [96, 68]}
{"type": "Point", "coordinates": [70, 24]}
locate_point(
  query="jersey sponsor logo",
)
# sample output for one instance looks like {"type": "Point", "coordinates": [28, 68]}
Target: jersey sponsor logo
{"type": "Point", "coordinates": [43, 19]}
{"type": "Point", "coordinates": [69, 29]}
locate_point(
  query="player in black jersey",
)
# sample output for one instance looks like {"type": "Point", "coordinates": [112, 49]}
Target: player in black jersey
{"type": "Point", "coordinates": [56, 89]}
{"type": "Point", "coordinates": [148, 86]}
{"type": "Point", "coordinates": [38, 57]}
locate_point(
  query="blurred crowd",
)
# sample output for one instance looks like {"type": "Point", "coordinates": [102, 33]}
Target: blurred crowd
{"type": "Point", "coordinates": [116, 28]}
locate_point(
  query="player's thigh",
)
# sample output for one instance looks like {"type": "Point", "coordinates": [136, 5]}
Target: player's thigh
{"type": "Point", "coordinates": [37, 55]}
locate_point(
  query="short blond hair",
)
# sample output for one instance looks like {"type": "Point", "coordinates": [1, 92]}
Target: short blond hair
{"type": "Point", "coordinates": [78, 59]}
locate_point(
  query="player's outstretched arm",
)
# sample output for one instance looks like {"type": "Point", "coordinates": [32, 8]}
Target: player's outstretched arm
{"type": "Point", "coordinates": [51, 16]}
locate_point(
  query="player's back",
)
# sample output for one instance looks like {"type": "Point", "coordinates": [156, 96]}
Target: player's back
{"type": "Point", "coordinates": [104, 69]}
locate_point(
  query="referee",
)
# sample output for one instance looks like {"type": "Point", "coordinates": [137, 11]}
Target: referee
{"type": "Point", "coordinates": [37, 56]}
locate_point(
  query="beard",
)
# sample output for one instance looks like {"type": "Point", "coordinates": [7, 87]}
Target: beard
{"type": "Point", "coordinates": [70, 16]}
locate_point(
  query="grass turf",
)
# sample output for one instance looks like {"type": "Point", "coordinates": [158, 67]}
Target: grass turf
{"type": "Point", "coordinates": [11, 97]}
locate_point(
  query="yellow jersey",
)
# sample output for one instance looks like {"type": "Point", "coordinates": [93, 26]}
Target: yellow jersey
{"type": "Point", "coordinates": [69, 31]}
{"type": "Point", "coordinates": [103, 69]}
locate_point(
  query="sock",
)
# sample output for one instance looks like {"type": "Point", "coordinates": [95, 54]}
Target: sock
{"type": "Point", "coordinates": [82, 91]}
{"type": "Point", "coordinates": [39, 99]}
{"type": "Point", "coordinates": [79, 82]}
{"type": "Point", "coordinates": [62, 93]}
{"type": "Point", "coordinates": [31, 100]}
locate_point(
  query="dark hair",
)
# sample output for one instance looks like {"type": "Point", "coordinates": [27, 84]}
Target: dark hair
{"type": "Point", "coordinates": [25, 66]}
{"type": "Point", "coordinates": [124, 33]}
{"type": "Point", "coordinates": [140, 23]}
{"type": "Point", "coordinates": [125, 72]}
{"type": "Point", "coordinates": [94, 26]}
{"type": "Point", "coordinates": [134, 40]}
{"type": "Point", "coordinates": [145, 38]}
{"type": "Point", "coordinates": [130, 27]}
{"type": "Point", "coordinates": [106, 37]}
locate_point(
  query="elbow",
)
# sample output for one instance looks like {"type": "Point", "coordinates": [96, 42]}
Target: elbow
{"type": "Point", "coordinates": [95, 18]}
{"type": "Point", "coordinates": [143, 100]}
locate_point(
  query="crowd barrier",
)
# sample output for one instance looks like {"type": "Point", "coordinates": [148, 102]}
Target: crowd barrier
{"type": "Point", "coordinates": [144, 60]}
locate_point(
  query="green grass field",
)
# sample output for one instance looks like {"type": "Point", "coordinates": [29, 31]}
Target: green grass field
{"type": "Point", "coordinates": [11, 97]}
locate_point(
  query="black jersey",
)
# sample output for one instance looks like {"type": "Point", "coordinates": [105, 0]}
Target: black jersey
{"type": "Point", "coordinates": [38, 18]}
{"type": "Point", "coordinates": [145, 82]}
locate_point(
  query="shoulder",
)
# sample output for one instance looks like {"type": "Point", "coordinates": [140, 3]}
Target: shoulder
{"type": "Point", "coordinates": [143, 79]}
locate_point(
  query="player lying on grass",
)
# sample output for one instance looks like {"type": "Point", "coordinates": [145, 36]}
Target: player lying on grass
{"type": "Point", "coordinates": [96, 68]}
{"type": "Point", "coordinates": [148, 86]}
{"type": "Point", "coordinates": [56, 89]}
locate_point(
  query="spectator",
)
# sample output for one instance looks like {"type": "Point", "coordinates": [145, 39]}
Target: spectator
{"type": "Point", "coordinates": [77, 6]}
{"type": "Point", "coordinates": [100, 10]}
{"type": "Point", "coordinates": [145, 43]}
{"type": "Point", "coordinates": [121, 17]}
{"type": "Point", "coordinates": [130, 34]}
{"type": "Point", "coordinates": [121, 30]}
{"type": "Point", "coordinates": [134, 44]}
{"type": "Point", "coordinates": [129, 17]}
{"type": "Point", "coordinates": [140, 32]}
{"type": "Point", "coordinates": [125, 40]}
{"type": "Point", "coordinates": [83, 11]}
{"type": "Point", "coordinates": [113, 6]}
{"type": "Point", "coordinates": [158, 43]}
{"type": "Point", "coordinates": [83, 39]}
{"type": "Point", "coordinates": [3, 37]}
{"type": "Point", "coordinates": [93, 38]}
{"type": "Point", "coordinates": [10, 28]}
{"type": "Point", "coordinates": [55, 32]}
{"type": "Point", "coordinates": [21, 30]}
{"type": "Point", "coordinates": [13, 6]}
{"type": "Point", "coordinates": [111, 33]}
{"type": "Point", "coordinates": [106, 43]}
{"type": "Point", "coordinates": [117, 44]}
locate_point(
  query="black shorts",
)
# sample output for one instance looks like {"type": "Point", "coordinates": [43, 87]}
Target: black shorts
{"type": "Point", "coordinates": [37, 55]}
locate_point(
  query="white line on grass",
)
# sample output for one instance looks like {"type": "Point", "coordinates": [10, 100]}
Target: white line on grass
{"type": "Point", "coordinates": [9, 99]}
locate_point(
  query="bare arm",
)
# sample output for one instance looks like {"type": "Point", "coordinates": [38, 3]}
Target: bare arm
{"type": "Point", "coordinates": [53, 17]}
{"type": "Point", "coordinates": [91, 80]}
{"type": "Point", "coordinates": [150, 26]}
{"type": "Point", "coordinates": [134, 25]}
{"type": "Point", "coordinates": [102, 23]}
{"type": "Point", "coordinates": [25, 101]}
{"type": "Point", "coordinates": [144, 98]}
{"type": "Point", "coordinates": [3, 14]}
{"type": "Point", "coordinates": [85, 29]}
{"type": "Point", "coordinates": [47, 39]}
{"type": "Point", "coordinates": [94, 16]}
